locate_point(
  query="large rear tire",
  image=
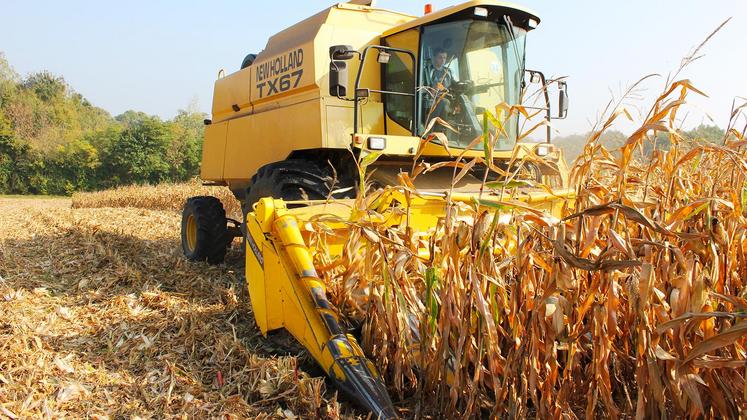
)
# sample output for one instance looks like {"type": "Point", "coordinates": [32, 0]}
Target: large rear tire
{"type": "Point", "coordinates": [205, 235]}
{"type": "Point", "coordinates": [295, 179]}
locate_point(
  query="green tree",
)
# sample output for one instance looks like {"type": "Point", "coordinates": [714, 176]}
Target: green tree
{"type": "Point", "coordinates": [46, 86]}
{"type": "Point", "coordinates": [21, 169]}
{"type": "Point", "coordinates": [185, 152]}
{"type": "Point", "coordinates": [705, 133]}
{"type": "Point", "coordinates": [73, 168]}
{"type": "Point", "coordinates": [131, 118]}
{"type": "Point", "coordinates": [137, 155]}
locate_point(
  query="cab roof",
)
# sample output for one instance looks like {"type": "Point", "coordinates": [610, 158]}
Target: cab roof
{"type": "Point", "coordinates": [442, 13]}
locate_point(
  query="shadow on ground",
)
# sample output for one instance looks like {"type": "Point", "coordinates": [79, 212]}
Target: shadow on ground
{"type": "Point", "coordinates": [110, 323]}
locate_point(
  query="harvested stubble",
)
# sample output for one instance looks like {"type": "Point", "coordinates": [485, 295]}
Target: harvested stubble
{"type": "Point", "coordinates": [101, 317]}
{"type": "Point", "coordinates": [633, 305]}
{"type": "Point", "coordinates": [156, 197]}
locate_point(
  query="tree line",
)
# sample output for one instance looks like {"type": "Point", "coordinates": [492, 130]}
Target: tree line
{"type": "Point", "coordinates": [54, 141]}
{"type": "Point", "coordinates": [573, 145]}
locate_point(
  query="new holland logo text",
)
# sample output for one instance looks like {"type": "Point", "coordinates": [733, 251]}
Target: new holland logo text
{"type": "Point", "coordinates": [280, 73]}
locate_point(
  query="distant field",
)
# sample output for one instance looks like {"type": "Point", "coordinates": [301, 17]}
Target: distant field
{"type": "Point", "coordinates": [34, 197]}
{"type": "Point", "coordinates": [161, 197]}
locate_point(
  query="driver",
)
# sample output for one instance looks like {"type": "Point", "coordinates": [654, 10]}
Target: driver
{"type": "Point", "coordinates": [439, 77]}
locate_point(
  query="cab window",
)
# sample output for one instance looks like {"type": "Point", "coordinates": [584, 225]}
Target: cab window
{"type": "Point", "coordinates": [399, 77]}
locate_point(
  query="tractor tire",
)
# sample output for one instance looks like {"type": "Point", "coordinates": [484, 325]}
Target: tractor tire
{"type": "Point", "coordinates": [292, 179]}
{"type": "Point", "coordinates": [248, 60]}
{"type": "Point", "coordinates": [205, 235]}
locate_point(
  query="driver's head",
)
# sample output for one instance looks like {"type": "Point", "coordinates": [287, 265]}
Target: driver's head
{"type": "Point", "coordinates": [439, 57]}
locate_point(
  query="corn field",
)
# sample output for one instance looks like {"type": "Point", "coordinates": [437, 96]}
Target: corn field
{"type": "Point", "coordinates": [632, 305]}
{"type": "Point", "coordinates": [156, 197]}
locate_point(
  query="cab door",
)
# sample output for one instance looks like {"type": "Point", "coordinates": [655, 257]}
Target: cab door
{"type": "Point", "coordinates": [399, 76]}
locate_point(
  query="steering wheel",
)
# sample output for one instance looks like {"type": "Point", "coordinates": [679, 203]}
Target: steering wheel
{"type": "Point", "coordinates": [468, 87]}
{"type": "Point", "coordinates": [484, 88]}
{"type": "Point", "coordinates": [460, 87]}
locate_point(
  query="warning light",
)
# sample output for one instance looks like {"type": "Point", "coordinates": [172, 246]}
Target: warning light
{"type": "Point", "coordinates": [428, 8]}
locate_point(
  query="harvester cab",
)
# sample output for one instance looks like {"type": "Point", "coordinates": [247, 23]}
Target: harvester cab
{"type": "Point", "coordinates": [357, 87]}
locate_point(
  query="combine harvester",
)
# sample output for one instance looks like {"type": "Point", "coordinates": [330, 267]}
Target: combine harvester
{"type": "Point", "coordinates": [356, 86]}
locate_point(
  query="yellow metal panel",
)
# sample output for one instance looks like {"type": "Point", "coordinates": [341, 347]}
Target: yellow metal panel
{"type": "Point", "coordinates": [298, 127]}
{"type": "Point", "coordinates": [339, 130]}
{"type": "Point", "coordinates": [274, 306]}
{"type": "Point", "coordinates": [244, 152]}
{"type": "Point", "coordinates": [265, 137]}
{"type": "Point", "coordinates": [371, 118]}
{"type": "Point", "coordinates": [213, 152]}
{"type": "Point", "coordinates": [395, 145]}
{"type": "Point", "coordinates": [339, 123]}
{"type": "Point", "coordinates": [221, 99]}
{"type": "Point", "coordinates": [283, 75]}
{"type": "Point", "coordinates": [393, 128]}
{"type": "Point", "coordinates": [234, 89]}
{"type": "Point", "coordinates": [280, 95]}
{"type": "Point", "coordinates": [255, 274]}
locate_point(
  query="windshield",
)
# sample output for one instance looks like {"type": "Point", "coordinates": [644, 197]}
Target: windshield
{"type": "Point", "coordinates": [468, 67]}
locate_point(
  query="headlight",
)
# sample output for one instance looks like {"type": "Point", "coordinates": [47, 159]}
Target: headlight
{"type": "Point", "coordinates": [481, 12]}
{"type": "Point", "coordinates": [376, 143]}
{"type": "Point", "coordinates": [542, 150]}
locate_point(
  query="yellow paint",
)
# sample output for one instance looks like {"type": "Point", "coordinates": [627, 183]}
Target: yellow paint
{"type": "Point", "coordinates": [191, 232]}
{"type": "Point", "coordinates": [255, 276]}
{"type": "Point", "coordinates": [272, 122]}
{"type": "Point", "coordinates": [213, 151]}
{"type": "Point", "coordinates": [281, 291]}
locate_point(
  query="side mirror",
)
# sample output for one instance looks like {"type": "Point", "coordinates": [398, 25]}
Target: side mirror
{"type": "Point", "coordinates": [338, 78]}
{"type": "Point", "coordinates": [562, 99]}
{"type": "Point", "coordinates": [341, 52]}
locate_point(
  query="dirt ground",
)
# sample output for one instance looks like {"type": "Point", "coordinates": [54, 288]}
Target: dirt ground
{"type": "Point", "coordinates": [101, 317]}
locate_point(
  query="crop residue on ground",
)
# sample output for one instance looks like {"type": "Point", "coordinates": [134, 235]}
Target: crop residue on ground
{"type": "Point", "coordinates": [101, 317]}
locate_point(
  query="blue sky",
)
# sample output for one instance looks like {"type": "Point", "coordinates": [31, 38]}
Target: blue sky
{"type": "Point", "coordinates": [160, 56]}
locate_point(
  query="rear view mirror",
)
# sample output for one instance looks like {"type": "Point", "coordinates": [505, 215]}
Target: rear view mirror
{"type": "Point", "coordinates": [562, 99]}
{"type": "Point", "coordinates": [341, 52]}
{"type": "Point", "coordinates": [338, 78]}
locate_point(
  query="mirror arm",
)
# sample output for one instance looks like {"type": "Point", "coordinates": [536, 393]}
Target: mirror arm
{"type": "Point", "coordinates": [338, 79]}
{"type": "Point", "coordinates": [546, 95]}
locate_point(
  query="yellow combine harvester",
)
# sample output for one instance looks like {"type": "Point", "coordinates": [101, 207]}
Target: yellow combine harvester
{"type": "Point", "coordinates": [355, 85]}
